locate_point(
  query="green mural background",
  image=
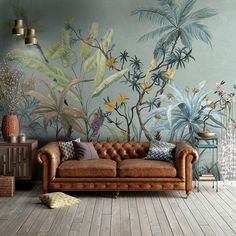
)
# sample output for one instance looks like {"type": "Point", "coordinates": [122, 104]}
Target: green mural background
{"type": "Point", "coordinates": [121, 70]}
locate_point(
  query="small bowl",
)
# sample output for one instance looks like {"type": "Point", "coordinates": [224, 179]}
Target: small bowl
{"type": "Point", "coordinates": [206, 134]}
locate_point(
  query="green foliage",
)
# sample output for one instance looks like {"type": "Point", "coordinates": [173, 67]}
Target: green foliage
{"type": "Point", "coordinates": [53, 107]}
{"type": "Point", "coordinates": [90, 63]}
{"type": "Point", "coordinates": [175, 22]}
{"type": "Point", "coordinates": [101, 68]}
{"type": "Point", "coordinates": [30, 60]}
{"type": "Point", "coordinates": [108, 81]}
{"type": "Point", "coordinates": [62, 50]}
{"type": "Point", "coordinates": [85, 48]}
{"type": "Point", "coordinates": [98, 60]}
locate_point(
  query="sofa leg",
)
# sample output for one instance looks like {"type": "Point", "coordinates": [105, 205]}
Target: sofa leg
{"type": "Point", "coordinates": [187, 193]}
{"type": "Point", "coordinates": [117, 194]}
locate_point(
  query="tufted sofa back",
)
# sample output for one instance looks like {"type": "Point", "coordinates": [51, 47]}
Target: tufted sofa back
{"type": "Point", "coordinates": [118, 151]}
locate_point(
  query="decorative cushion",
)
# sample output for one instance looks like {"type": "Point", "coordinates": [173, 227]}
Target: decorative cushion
{"type": "Point", "coordinates": [67, 149]}
{"type": "Point", "coordinates": [87, 168]}
{"type": "Point", "coordinates": [85, 151]}
{"type": "Point", "coordinates": [141, 168]}
{"type": "Point", "coordinates": [58, 200]}
{"type": "Point", "coordinates": [160, 151]}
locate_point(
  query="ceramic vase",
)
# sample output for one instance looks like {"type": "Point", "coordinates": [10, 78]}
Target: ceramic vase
{"type": "Point", "coordinates": [10, 125]}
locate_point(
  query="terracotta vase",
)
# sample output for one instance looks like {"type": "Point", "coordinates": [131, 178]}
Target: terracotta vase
{"type": "Point", "coordinates": [10, 125]}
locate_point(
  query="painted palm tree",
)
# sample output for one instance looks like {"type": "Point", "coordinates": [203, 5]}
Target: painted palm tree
{"type": "Point", "coordinates": [175, 22]}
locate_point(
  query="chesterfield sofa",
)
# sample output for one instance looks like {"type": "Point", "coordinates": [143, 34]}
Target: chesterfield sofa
{"type": "Point", "coordinates": [120, 168]}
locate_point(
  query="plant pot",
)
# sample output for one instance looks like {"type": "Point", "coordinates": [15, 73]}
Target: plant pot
{"type": "Point", "coordinates": [10, 125]}
{"type": "Point", "coordinates": [206, 134]}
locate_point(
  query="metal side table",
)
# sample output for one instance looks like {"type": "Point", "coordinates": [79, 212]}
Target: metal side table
{"type": "Point", "coordinates": [203, 144]}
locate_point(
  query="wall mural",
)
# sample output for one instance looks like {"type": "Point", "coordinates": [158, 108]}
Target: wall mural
{"type": "Point", "coordinates": [155, 106]}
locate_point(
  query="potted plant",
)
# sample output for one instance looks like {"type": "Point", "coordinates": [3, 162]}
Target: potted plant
{"type": "Point", "coordinates": [10, 94]}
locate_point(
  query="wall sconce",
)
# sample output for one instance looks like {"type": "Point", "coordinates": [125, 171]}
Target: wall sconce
{"type": "Point", "coordinates": [18, 28]}
{"type": "Point", "coordinates": [30, 37]}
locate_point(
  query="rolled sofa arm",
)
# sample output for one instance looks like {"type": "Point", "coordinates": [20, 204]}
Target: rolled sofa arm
{"type": "Point", "coordinates": [50, 156]}
{"type": "Point", "coordinates": [185, 156]}
{"type": "Point", "coordinates": [183, 149]}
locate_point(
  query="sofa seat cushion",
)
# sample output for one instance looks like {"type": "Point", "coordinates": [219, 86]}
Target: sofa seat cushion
{"type": "Point", "coordinates": [146, 168]}
{"type": "Point", "coordinates": [87, 168]}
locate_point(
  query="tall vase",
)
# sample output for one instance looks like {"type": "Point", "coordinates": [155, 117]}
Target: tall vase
{"type": "Point", "coordinates": [10, 125]}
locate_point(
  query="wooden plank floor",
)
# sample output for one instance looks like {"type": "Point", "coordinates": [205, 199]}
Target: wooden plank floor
{"type": "Point", "coordinates": [132, 213]}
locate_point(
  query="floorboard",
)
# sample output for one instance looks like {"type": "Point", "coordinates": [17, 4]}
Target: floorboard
{"type": "Point", "coordinates": [157, 213]}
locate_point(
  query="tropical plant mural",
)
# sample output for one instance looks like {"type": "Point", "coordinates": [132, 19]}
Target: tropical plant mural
{"type": "Point", "coordinates": [184, 111]}
{"type": "Point", "coordinates": [80, 68]}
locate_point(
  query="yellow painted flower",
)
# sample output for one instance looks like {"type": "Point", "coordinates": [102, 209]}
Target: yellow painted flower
{"type": "Point", "coordinates": [212, 105]}
{"type": "Point", "coordinates": [111, 62]}
{"type": "Point", "coordinates": [96, 113]}
{"type": "Point", "coordinates": [146, 86]}
{"type": "Point", "coordinates": [195, 90]}
{"type": "Point", "coordinates": [110, 106]}
{"type": "Point", "coordinates": [157, 117]}
{"type": "Point", "coordinates": [121, 99]}
{"type": "Point", "coordinates": [151, 66]}
{"type": "Point", "coordinates": [169, 74]}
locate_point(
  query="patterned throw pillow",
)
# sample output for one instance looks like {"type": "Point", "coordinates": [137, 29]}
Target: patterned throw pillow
{"type": "Point", "coordinates": [58, 200]}
{"type": "Point", "coordinates": [67, 149]}
{"type": "Point", "coordinates": [160, 151]}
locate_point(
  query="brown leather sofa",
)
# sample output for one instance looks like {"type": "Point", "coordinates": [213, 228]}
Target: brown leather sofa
{"type": "Point", "coordinates": [120, 168]}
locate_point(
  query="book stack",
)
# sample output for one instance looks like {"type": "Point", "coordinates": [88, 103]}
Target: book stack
{"type": "Point", "coordinates": [206, 177]}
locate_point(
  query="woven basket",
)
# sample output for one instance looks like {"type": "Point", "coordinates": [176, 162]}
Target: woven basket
{"type": "Point", "coordinates": [7, 186]}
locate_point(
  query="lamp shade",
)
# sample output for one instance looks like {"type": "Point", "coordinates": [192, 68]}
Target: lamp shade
{"type": "Point", "coordinates": [18, 28]}
{"type": "Point", "coordinates": [30, 38]}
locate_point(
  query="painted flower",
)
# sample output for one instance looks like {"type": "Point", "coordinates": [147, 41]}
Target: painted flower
{"type": "Point", "coordinates": [151, 66]}
{"type": "Point", "coordinates": [212, 105]}
{"type": "Point", "coordinates": [109, 106]}
{"type": "Point", "coordinates": [146, 86]}
{"type": "Point", "coordinates": [195, 90]}
{"type": "Point", "coordinates": [157, 117]}
{"type": "Point", "coordinates": [111, 62]}
{"type": "Point", "coordinates": [219, 87]}
{"type": "Point", "coordinates": [225, 96]}
{"type": "Point", "coordinates": [121, 99]}
{"type": "Point", "coordinates": [169, 74]}
{"type": "Point", "coordinates": [97, 122]}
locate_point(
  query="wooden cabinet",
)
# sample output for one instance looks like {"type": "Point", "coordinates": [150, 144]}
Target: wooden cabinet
{"type": "Point", "coordinates": [18, 159]}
